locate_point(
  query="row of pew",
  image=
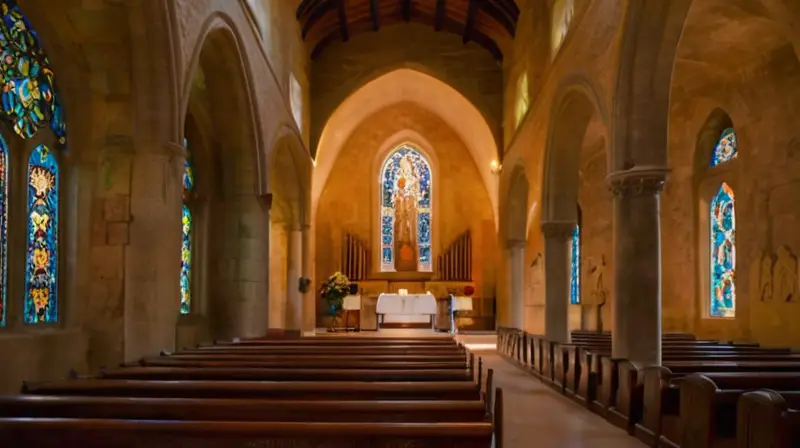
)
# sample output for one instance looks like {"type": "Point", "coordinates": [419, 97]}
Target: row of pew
{"type": "Point", "coordinates": [706, 393]}
{"type": "Point", "coordinates": [322, 392]}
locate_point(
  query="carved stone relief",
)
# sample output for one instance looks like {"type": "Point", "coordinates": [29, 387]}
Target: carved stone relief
{"type": "Point", "coordinates": [599, 291]}
{"type": "Point", "coordinates": [536, 279]}
{"type": "Point", "coordinates": [785, 271]}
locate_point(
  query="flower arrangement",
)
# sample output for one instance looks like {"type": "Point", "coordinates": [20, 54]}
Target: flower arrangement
{"type": "Point", "coordinates": [334, 291]}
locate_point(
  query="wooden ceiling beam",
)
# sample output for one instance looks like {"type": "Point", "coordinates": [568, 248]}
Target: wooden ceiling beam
{"type": "Point", "coordinates": [439, 20]}
{"type": "Point", "coordinates": [510, 6]}
{"type": "Point", "coordinates": [320, 9]}
{"type": "Point", "coordinates": [343, 20]}
{"type": "Point", "coordinates": [375, 14]}
{"type": "Point", "coordinates": [501, 16]}
{"type": "Point", "coordinates": [469, 25]}
{"type": "Point", "coordinates": [406, 10]}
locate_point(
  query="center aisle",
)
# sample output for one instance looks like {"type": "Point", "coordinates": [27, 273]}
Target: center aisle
{"type": "Point", "coordinates": [536, 416]}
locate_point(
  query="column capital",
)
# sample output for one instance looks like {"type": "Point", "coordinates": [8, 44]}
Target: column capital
{"type": "Point", "coordinates": [558, 229]}
{"type": "Point", "coordinates": [266, 201]}
{"type": "Point", "coordinates": [638, 181]}
{"type": "Point", "coordinates": [516, 244]}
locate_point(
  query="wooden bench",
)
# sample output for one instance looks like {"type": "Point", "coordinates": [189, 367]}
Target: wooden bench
{"type": "Point", "coordinates": [98, 433]}
{"type": "Point", "coordinates": [462, 357]}
{"type": "Point", "coordinates": [289, 363]}
{"type": "Point", "coordinates": [227, 409]}
{"type": "Point", "coordinates": [766, 418]}
{"type": "Point", "coordinates": [256, 374]}
{"type": "Point", "coordinates": [346, 342]}
{"type": "Point", "coordinates": [341, 351]}
{"type": "Point", "coordinates": [300, 390]}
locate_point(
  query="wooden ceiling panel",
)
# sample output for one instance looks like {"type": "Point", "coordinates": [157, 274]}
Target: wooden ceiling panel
{"type": "Point", "coordinates": [485, 22]}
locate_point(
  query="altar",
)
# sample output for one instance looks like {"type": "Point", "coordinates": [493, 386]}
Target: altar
{"type": "Point", "coordinates": [406, 310]}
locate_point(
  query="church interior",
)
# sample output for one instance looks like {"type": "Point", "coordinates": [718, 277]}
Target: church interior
{"type": "Point", "coordinates": [356, 223]}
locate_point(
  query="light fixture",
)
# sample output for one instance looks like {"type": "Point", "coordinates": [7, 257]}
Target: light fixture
{"type": "Point", "coordinates": [495, 167]}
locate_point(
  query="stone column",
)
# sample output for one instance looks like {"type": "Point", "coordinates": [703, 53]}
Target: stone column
{"type": "Point", "coordinates": [516, 303]}
{"type": "Point", "coordinates": [557, 238]}
{"type": "Point", "coordinates": [309, 297]}
{"type": "Point", "coordinates": [294, 299]}
{"type": "Point", "coordinates": [637, 263]}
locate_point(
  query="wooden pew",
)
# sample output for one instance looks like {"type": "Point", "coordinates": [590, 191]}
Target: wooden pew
{"type": "Point", "coordinates": [253, 374]}
{"type": "Point", "coordinates": [300, 390]}
{"type": "Point", "coordinates": [288, 363]}
{"type": "Point", "coordinates": [708, 405]}
{"type": "Point", "coordinates": [97, 433]}
{"type": "Point", "coordinates": [227, 409]}
{"type": "Point", "coordinates": [342, 342]}
{"type": "Point", "coordinates": [766, 418]}
{"type": "Point", "coordinates": [341, 351]}
{"type": "Point", "coordinates": [663, 405]}
{"type": "Point", "coordinates": [462, 357]}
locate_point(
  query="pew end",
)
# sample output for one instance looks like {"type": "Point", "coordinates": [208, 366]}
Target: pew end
{"type": "Point", "coordinates": [760, 420]}
{"type": "Point", "coordinates": [497, 418]}
{"type": "Point", "coordinates": [487, 393]}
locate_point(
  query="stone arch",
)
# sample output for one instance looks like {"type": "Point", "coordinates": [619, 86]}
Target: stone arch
{"type": "Point", "coordinates": [289, 228]}
{"type": "Point", "coordinates": [219, 100]}
{"type": "Point", "coordinates": [407, 85]}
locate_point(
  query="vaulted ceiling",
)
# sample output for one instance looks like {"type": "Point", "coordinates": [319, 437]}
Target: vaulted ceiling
{"type": "Point", "coordinates": [485, 22]}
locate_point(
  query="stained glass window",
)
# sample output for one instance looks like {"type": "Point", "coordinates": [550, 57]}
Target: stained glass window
{"type": "Point", "coordinates": [406, 211]}
{"type": "Point", "coordinates": [726, 149]}
{"type": "Point", "coordinates": [41, 274]}
{"type": "Point", "coordinates": [3, 229]}
{"type": "Point", "coordinates": [723, 253]}
{"type": "Point", "coordinates": [186, 239]}
{"type": "Point", "coordinates": [28, 93]}
{"type": "Point", "coordinates": [575, 267]}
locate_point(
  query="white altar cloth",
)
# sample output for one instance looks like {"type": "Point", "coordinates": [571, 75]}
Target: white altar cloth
{"type": "Point", "coordinates": [411, 304]}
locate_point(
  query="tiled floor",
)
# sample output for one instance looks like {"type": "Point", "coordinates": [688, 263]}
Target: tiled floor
{"type": "Point", "coordinates": [538, 417]}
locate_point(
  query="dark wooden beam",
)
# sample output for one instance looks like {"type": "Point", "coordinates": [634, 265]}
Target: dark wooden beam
{"type": "Point", "coordinates": [306, 6]}
{"type": "Point", "coordinates": [501, 16]}
{"type": "Point", "coordinates": [375, 13]}
{"type": "Point", "coordinates": [406, 10]}
{"type": "Point", "coordinates": [510, 6]}
{"type": "Point", "coordinates": [317, 13]}
{"type": "Point", "coordinates": [469, 26]}
{"type": "Point", "coordinates": [439, 20]}
{"type": "Point", "coordinates": [343, 21]}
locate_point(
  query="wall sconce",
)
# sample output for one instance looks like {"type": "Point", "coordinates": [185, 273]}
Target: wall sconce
{"type": "Point", "coordinates": [495, 167]}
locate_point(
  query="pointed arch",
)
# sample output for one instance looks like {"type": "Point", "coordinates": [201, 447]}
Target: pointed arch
{"type": "Point", "coordinates": [722, 218]}
{"type": "Point", "coordinates": [406, 184]}
{"type": "Point", "coordinates": [41, 273]}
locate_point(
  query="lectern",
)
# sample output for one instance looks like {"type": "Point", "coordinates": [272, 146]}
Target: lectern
{"type": "Point", "coordinates": [458, 304]}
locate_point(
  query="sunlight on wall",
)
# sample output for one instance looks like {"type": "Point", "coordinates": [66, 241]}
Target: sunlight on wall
{"type": "Point", "coordinates": [523, 100]}
{"type": "Point", "coordinates": [296, 100]}
{"type": "Point", "coordinates": [561, 19]}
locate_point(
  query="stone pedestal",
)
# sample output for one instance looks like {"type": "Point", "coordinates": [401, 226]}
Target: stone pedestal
{"type": "Point", "coordinates": [516, 303]}
{"type": "Point", "coordinates": [637, 260]}
{"type": "Point", "coordinates": [294, 318]}
{"type": "Point", "coordinates": [557, 239]}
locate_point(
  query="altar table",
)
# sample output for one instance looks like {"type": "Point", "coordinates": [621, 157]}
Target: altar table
{"type": "Point", "coordinates": [410, 308]}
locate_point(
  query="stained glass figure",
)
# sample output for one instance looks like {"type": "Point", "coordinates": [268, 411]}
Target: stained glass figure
{"type": "Point", "coordinates": [723, 253]}
{"type": "Point", "coordinates": [3, 230]}
{"type": "Point", "coordinates": [28, 92]}
{"type": "Point", "coordinates": [406, 211]}
{"type": "Point", "coordinates": [726, 149]}
{"type": "Point", "coordinates": [186, 240]}
{"type": "Point", "coordinates": [41, 274]}
{"type": "Point", "coordinates": [575, 267]}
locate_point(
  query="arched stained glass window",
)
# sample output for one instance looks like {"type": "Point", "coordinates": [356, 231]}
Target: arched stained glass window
{"type": "Point", "coordinates": [405, 211]}
{"type": "Point", "coordinates": [726, 148]}
{"type": "Point", "coordinates": [3, 230]}
{"type": "Point", "coordinates": [186, 239]}
{"type": "Point", "coordinates": [28, 89]}
{"type": "Point", "coordinates": [575, 266]}
{"type": "Point", "coordinates": [723, 253]}
{"type": "Point", "coordinates": [41, 274]}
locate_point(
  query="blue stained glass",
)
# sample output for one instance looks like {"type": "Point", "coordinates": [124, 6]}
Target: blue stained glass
{"type": "Point", "coordinates": [406, 180]}
{"type": "Point", "coordinates": [3, 230]}
{"type": "Point", "coordinates": [186, 232]}
{"type": "Point", "coordinates": [726, 148]}
{"type": "Point", "coordinates": [575, 267]}
{"type": "Point", "coordinates": [41, 274]}
{"type": "Point", "coordinates": [723, 253]}
{"type": "Point", "coordinates": [186, 261]}
{"type": "Point", "coordinates": [28, 91]}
